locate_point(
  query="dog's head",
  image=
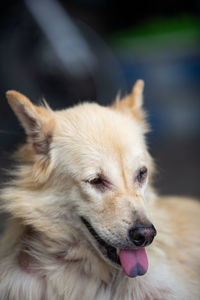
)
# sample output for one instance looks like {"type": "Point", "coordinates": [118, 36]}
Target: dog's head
{"type": "Point", "coordinates": [87, 167]}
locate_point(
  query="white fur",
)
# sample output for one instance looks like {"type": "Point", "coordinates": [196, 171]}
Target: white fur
{"type": "Point", "coordinates": [47, 253]}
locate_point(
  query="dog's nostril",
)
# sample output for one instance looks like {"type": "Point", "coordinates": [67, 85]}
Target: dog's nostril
{"type": "Point", "coordinates": [142, 236]}
{"type": "Point", "coordinates": [139, 238]}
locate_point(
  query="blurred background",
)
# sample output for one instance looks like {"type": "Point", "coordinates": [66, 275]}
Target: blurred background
{"type": "Point", "coordinates": [70, 51]}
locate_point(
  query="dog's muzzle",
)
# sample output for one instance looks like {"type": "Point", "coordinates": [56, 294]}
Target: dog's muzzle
{"type": "Point", "coordinates": [138, 237]}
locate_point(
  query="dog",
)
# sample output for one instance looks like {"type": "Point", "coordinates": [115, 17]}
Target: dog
{"type": "Point", "coordinates": [85, 221]}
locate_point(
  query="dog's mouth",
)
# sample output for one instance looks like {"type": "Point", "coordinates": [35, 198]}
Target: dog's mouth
{"type": "Point", "coordinates": [133, 261]}
{"type": "Point", "coordinates": [107, 250]}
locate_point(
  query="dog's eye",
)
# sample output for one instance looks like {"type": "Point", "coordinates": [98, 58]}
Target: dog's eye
{"type": "Point", "coordinates": [142, 175]}
{"type": "Point", "coordinates": [97, 181]}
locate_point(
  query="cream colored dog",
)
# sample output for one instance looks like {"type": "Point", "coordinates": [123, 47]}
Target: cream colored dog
{"type": "Point", "coordinates": [84, 216]}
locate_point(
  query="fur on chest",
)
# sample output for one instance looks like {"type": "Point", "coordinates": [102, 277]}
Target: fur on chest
{"type": "Point", "coordinates": [70, 280]}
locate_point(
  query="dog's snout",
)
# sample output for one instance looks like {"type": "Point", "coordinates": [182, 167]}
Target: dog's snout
{"type": "Point", "coordinates": [141, 235]}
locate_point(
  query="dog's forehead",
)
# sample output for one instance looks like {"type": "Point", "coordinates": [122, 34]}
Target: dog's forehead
{"type": "Point", "coordinates": [99, 127]}
{"type": "Point", "coordinates": [96, 136]}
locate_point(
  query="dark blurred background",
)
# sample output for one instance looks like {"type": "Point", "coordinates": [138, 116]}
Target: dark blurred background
{"type": "Point", "coordinates": [70, 51]}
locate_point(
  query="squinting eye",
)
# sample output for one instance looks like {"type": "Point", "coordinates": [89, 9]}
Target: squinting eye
{"type": "Point", "coordinates": [97, 181]}
{"type": "Point", "coordinates": [100, 183]}
{"type": "Point", "coordinates": [142, 175]}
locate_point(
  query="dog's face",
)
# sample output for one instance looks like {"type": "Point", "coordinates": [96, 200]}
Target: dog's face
{"type": "Point", "coordinates": [89, 167]}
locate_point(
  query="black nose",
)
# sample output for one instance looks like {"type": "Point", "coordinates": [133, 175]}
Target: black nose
{"type": "Point", "coordinates": [141, 235]}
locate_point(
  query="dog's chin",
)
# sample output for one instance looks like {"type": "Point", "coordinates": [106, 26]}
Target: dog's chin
{"type": "Point", "coordinates": [108, 252]}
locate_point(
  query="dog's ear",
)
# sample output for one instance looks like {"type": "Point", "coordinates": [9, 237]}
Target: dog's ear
{"type": "Point", "coordinates": [36, 120]}
{"type": "Point", "coordinates": [133, 102]}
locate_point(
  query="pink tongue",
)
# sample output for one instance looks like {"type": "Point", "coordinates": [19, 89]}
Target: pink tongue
{"type": "Point", "coordinates": [134, 261]}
